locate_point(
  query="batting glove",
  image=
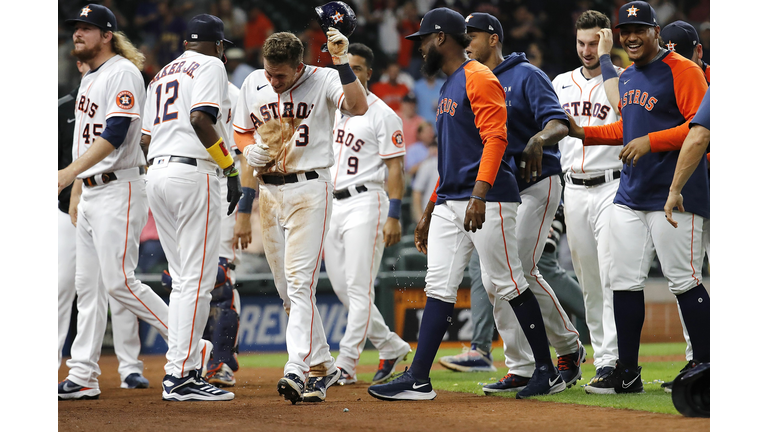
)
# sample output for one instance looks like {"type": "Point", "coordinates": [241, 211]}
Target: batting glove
{"type": "Point", "coordinates": [337, 46]}
{"type": "Point", "coordinates": [257, 155]}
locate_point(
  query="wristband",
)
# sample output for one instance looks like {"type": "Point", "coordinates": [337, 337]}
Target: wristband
{"type": "Point", "coordinates": [246, 201]}
{"type": "Point", "coordinates": [477, 198]}
{"type": "Point", "coordinates": [394, 208]}
{"type": "Point", "coordinates": [220, 154]}
{"type": "Point", "coordinates": [606, 68]}
{"type": "Point", "coordinates": [346, 74]}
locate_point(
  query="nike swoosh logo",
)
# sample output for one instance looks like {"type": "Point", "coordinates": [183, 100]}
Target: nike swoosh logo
{"type": "Point", "coordinates": [67, 387]}
{"type": "Point", "coordinates": [70, 120]}
{"type": "Point", "coordinates": [625, 385]}
{"type": "Point", "coordinates": [261, 87]}
{"type": "Point", "coordinates": [552, 382]}
{"type": "Point", "coordinates": [565, 87]}
{"type": "Point", "coordinates": [625, 82]}
{"type": "Point", "coordinates": [416, 387]}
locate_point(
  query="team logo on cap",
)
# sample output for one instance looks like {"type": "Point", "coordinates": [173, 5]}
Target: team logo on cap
{"type": "Point", "coordinates": [397, 139]}
{"type": "Point", "coordinates": [125, 100]}
{"type": "Point", "coordinates": [671, 45]}
{"type": "Point", "coordinates": [468, 18]}
{"type": "Point", "coordinates": [85, 11]}
{"type": "Point", "coordinates": [337, 17]}
{"type": "Point", "coordinates": [632, 11]}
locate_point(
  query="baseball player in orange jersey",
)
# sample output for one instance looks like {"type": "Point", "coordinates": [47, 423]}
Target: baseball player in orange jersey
{"type": "Point", "coordinates": [368, 150]}
{"type": "Point", "coordinates": [283, 124]}
{"type": "Point", "coordinates": [109, 193]}
{"type": "Point", "coordinates": [660, 92]}
{"type": "Point", "coordinates": [591, 181]}
{"type": "Point", "coordinates": [682, 38]}
{"type": "Point", "coordinates": [472, 137]}
{"type": "Point", "coordinates": [125, 326]}
{"type": "Point", "coordinates": [184, 129]}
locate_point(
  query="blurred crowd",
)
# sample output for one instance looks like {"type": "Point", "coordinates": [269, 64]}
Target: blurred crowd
{"type": "Point", "coordinates": [542, 29]}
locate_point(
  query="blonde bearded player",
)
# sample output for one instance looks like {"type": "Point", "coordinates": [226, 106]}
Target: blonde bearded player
{"type": "Point", "coordinates": [364, 221]}
{"type": "Point", "coordinates": [591, 181]}
{"type": "Point", "coordinates": [109, 202]}
{"type": "Point", "coordinates": [184, 129]}
{"type": "Point", "coordinates": [283, 124]}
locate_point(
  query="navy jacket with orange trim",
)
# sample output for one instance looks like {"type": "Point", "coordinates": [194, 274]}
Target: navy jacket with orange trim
{"type": "Point", "coordinates": [658, 100]}
{"type": "Point", "coordinates": [471, 126]}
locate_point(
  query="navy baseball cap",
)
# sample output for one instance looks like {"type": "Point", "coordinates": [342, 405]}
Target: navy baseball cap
{"type": "Point", "coordinates": [637, 12]}
{"type": "Point", "coordinates": [485, 22]}
{"type": "Point", "coordinates": [97, 15]}
{"type": "Point", "coordinates": [206, 28]}
{"type": "Point", "coordinates": [439, 20]}
{"type": "Point", "coordinates": [680, 37]}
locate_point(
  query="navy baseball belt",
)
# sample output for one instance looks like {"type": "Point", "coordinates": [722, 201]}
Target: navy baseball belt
{"type": "Point", "coordinates": [277, 179]}
{"type": "Point", "coordinates": [345, 193]}
{"type": "Point", "coordinates": [106, 178]}
{"type": "Point", "coordinates": [593, 181]}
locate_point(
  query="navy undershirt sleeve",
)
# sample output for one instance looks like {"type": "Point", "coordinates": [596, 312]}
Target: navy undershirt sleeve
{"type": "Point", "coordinates": [116, 130]}
{"type": "Point", "coordinates": [210, 110]}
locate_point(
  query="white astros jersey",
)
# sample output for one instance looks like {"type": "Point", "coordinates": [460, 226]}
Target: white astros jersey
{"type": "Point", "coordinates": [182, 87]}
{"type": "Point", "coordinates": [227, 248]}
{"type": "Point", "coordinates": [586, 101]}
{"type": "Point", "coordinates": [118, 82]}
{"type": "Point", "coordinates": [296, 124]}
{"type": "Point", "coordinates": [234, 93]}
{"type": "Point", "coordinates": [361, 143]}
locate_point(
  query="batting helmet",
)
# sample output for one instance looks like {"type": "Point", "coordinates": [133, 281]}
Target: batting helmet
{"type": "Point", "coordinates": [338, 15]}
{"type": "Point", "coordinates": [690, 392]}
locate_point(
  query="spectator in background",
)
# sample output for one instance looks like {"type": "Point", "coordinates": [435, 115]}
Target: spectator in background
{"type": "Point", "coordinates": [401, 76]}
{"type": "Point", "coordinates": [257, 30]}
{"type": "Point", "coordinates": [171, 32]}
{"type": "Point", "coordinates": [237, 68]}
{"type": "Point", "coordinates": [409, 58]}
{"type": "Point", "coordinates": [385, 16]}
{"type": "Point", "coordinates": [427, 91]}
{"type": "Point", "coordinates": [146, 21]}
{"type": "Point", "coordinates": [151, 255]}
{"type": "Point", "coordinates": [391, 89]}
{"type": "Point", "coordinates": [313, 39]}
{"type": "Point", "coordinates": [535, 56]}
{"type": "Point", "coordinates": [418, 151]}
{"type": "Point", "coordinates": [704, 35]}
{"type": "Point", "coordinates": [665, 11]}
{"type": "Point", "coordinates": [234, 19]}
{"type": "Point", "coordinates": [424, 181]}
{"type": "Point", "coordinates": [411, 119]}
{"type": "Point", "coordinates": [525, 29]}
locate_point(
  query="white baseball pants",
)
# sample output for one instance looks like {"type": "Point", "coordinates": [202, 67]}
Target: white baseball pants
{"type": "Point", "coordinates": [186, 204]}
{"type": "Point", "coordinates": [588, 211]}
{"type": "Point", "coordinates": [295, 218]}
{"type": "Point", "coordinates": [353, 251]}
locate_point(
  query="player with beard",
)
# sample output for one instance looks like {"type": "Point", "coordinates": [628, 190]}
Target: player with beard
{"type": "Point", "coordinates": [472, 138]}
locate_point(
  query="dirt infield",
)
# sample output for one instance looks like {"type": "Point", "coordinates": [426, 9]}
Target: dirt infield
{"type": "Point", "coordinates": [257, 406]}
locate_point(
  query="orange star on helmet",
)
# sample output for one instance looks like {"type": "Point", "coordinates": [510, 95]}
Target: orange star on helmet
{"type": "Point", "coordinates": [671, 46]}
{"type": "Point", "coordinates": [632, 11]}
{"type": "Point", "coordinates": [85, 11]}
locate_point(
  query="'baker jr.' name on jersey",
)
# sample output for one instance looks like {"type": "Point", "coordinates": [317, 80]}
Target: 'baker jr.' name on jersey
{"type": "Point", "coordinates": [175, 68]}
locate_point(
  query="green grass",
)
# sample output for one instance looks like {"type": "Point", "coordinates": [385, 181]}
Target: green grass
{"type": "Point", "coordinates": [654, 373]}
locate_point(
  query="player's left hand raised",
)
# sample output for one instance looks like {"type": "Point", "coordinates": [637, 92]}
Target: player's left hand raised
{"type": "Point", "coordinates": [636, 148]}
{"type": "Point", "coordinates": [530, 160]}
{"type": "Point", "coordinates": [337, 46]}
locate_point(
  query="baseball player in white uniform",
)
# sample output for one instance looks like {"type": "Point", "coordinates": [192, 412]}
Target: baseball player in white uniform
{"type": "Point", "coordinates": [368, 151]}
{"type": "Point", "coordinates": [112, 206]}
{"type": "Point", "coordinates": [283, 123]}
{"type": "Point", "coordinates": [184, 129]}
{"type": "Point", "coordinates": [591, 181]}
{"type": "Point", "coordinates": [125, 326]}
{"type": "Point", "coordinates": [224, 319]}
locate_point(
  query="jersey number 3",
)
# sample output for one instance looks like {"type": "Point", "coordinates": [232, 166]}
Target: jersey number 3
{"type": "Point", "coordinates": [171, 86]}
